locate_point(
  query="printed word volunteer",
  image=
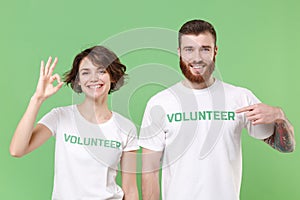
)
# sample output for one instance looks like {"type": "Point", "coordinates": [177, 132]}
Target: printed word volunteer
{"type": "Point", "coordinates": [201, 115]}
{"type": "Point", "coordinates": [92, 141]}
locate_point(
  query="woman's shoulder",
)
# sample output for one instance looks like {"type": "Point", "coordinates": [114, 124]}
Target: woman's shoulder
{"type": "Point", "coordinates": [63, 109]}
{"type": "Point", "coordinates": [123, 122]}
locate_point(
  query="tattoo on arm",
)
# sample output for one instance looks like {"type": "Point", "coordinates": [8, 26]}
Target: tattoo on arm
{"type": "Point", "coordinates": [283, 137]}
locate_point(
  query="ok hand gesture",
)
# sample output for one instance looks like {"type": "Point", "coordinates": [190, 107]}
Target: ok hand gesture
{"type": "Point", "coordinates": [46, 87]}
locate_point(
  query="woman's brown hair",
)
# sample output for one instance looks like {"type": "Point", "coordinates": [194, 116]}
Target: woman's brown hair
{"type": "Point", "coordinates": [100, 56]}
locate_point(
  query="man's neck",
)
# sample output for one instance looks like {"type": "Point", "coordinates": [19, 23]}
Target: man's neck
{"type": "Point", "coordinates": [198, 86]}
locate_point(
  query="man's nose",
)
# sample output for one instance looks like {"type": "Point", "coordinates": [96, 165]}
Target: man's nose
{"type": "Point", "coordinates": [197, 56]}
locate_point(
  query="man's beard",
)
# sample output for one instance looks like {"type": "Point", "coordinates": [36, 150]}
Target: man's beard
{"type": "Point", "coordinates": [197, 78]}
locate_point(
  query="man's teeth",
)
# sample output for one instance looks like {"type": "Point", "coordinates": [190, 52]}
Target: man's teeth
{"type": "Point", "coordinates": [197, 66]}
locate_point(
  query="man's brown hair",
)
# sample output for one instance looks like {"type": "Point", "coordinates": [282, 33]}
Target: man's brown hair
{"type": "Point", "coordinates": [195, 27]}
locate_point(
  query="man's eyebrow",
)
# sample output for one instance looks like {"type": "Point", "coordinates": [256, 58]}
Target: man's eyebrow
{"type": "Point", "coordinates": [202, 46]}
{"type": "Point", "coordinates": [188, 47]}
{"type": "Point", "coordinates": [206, 46]}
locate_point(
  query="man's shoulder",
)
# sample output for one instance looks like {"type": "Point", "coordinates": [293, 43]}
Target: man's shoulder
{"type": "Point", "coordinates": [165, 94]}
{"type": "Point", "coordinates": [228, 87]}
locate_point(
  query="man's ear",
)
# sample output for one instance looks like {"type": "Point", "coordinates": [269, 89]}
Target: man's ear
{"type": "Point", "coordinates": [216, 51]}
{"type": "Point", "coordinates": [178, 51]}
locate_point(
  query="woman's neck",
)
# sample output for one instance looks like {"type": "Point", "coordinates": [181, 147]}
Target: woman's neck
{"type": "Point", "coordinates": [95, 111]}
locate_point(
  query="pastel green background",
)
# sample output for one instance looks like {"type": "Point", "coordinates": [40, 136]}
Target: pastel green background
{"type": "Point", "coordinates": [258, 49]}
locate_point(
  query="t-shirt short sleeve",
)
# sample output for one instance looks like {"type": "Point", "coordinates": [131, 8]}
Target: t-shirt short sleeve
{"type": "Point", "coordinates": [132, 141]}
{"type": "Point", "coordinates": [260, 131]}
{"type": "Point", "coordinates": [50, 120]}
{"type": "Point", "coordinates": [152, 134]}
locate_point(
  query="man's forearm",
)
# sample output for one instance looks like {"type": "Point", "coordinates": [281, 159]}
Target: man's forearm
{"type": "Point", "coordinates": [283, 138]}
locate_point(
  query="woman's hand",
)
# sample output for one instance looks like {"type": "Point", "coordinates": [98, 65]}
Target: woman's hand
{"type": "Point", "coordinates": [46, 87]}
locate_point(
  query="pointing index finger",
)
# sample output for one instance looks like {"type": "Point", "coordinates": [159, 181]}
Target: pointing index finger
{"type": "Point", "coordinates": [245, 109]}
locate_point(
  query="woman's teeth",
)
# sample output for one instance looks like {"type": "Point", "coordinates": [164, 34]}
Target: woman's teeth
{"type": "Point", "coordinates": [94, 86]}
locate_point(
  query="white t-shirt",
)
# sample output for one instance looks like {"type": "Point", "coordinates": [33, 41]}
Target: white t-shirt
{"type": "Point", "coordinates": [87, 155]}
{"type": "Point", "coordinates": [200, 136]}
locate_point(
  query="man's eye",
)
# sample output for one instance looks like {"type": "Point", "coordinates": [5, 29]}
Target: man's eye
{"type": "Point", "coordinates": [205, 49]}
{"type": "Point", "coordinates": [189, 50]}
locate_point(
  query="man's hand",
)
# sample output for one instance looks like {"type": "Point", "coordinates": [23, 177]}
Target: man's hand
{"type": "Point", "coordinates": [262, 113]}
{"type": "Point", "coordinates": [283, 137]}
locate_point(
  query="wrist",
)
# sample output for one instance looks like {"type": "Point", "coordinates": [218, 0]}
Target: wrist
{"type": "Point", "coordinates": [37, 99]}
{"type": "Point", "coordinates": [280, 115]}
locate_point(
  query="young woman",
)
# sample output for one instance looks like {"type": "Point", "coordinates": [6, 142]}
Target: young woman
{"type": "Point", "coordinates": [91, 140]}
